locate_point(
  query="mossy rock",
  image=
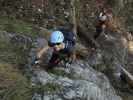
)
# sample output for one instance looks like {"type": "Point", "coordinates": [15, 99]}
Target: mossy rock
{"type": "Point", "coordinates": [11, 54]}
{"type": "Point", "coordinates": [47, 88]}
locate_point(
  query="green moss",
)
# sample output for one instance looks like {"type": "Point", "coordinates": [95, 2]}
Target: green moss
{"type": "Point", "coordinates": [17, 26]}
{"type": "Point", "coordinates": [62, 73]}
{"type": "Point", "coordinates": [12, 54]}
{"type": "Point", "coordinates": [57, 72]}
{"type": "Point", "coordinates": [49, 87]}
{"type": "Point", "coordinates": [14, 86]}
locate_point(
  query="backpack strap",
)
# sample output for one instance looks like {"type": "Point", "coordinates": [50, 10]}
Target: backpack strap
{"type": "Point", "coordinates": [68, 35]}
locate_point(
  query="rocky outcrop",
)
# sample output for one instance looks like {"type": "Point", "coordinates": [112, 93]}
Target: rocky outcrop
{"type": "Point", "coordinates": [80, 82]}
{"type": "Point", "coordinates": [76, 82]}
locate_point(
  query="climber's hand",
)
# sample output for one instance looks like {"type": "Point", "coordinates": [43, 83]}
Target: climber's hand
{"type": "Point", "coordinates": [36, 62]}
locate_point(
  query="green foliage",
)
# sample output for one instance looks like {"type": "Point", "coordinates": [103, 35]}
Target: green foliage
{"type": "Point", "coordinates": [57, 72]}
{"type": "Point", "coordinates": [18, 92]}
{"type": "Point", "coordinates": [11, 54]}
{"type": "Point", "coordinates": [14, 86]}
{"type": "Point", "coordinates": [17, 26]}
{"type": "Point", "coordinates": [49, 87]}
{"type": "Point", "coordinates": [62, 73]}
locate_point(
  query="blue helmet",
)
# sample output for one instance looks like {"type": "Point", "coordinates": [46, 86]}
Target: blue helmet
{"type": "Point", "coordinates": [56, 37]}
{"type": "Point", "coordinates": [102, 17]}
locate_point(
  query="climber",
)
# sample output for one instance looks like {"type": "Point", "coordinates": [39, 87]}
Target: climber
{"type": "Point", "coordinates": [62, 42]}
{"type": "Point", "coordinates": [102, 24]}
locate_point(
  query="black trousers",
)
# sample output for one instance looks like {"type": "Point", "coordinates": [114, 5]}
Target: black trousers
{"type": "Point", "coordinates": [57, 58]}
{"type": "Point", "coordinates": [98, 31]}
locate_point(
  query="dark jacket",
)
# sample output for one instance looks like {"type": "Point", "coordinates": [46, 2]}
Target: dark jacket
{"type": "Point", "coordinates": [69, 41]}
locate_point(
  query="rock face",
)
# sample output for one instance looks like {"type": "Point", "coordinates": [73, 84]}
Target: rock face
{"type": "Point", "coordinates": [80, 83]}
{"type": "Point", "coordinates": [113, 50]}
{"type": "Point", "coordinates": [76, 82]}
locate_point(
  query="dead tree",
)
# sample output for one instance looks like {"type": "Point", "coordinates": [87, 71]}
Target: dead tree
{"type": "Point", "coordinates": [73, 16]}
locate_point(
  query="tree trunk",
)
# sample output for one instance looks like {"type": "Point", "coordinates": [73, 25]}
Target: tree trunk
{"type": "Point", "coordinates": [73, 16]}
{"type": "Point", "coordinates": [127, 76]}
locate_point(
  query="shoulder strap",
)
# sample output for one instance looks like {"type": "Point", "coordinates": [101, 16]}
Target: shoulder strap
{"type": "Point", "coordinates": [68, 35]}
